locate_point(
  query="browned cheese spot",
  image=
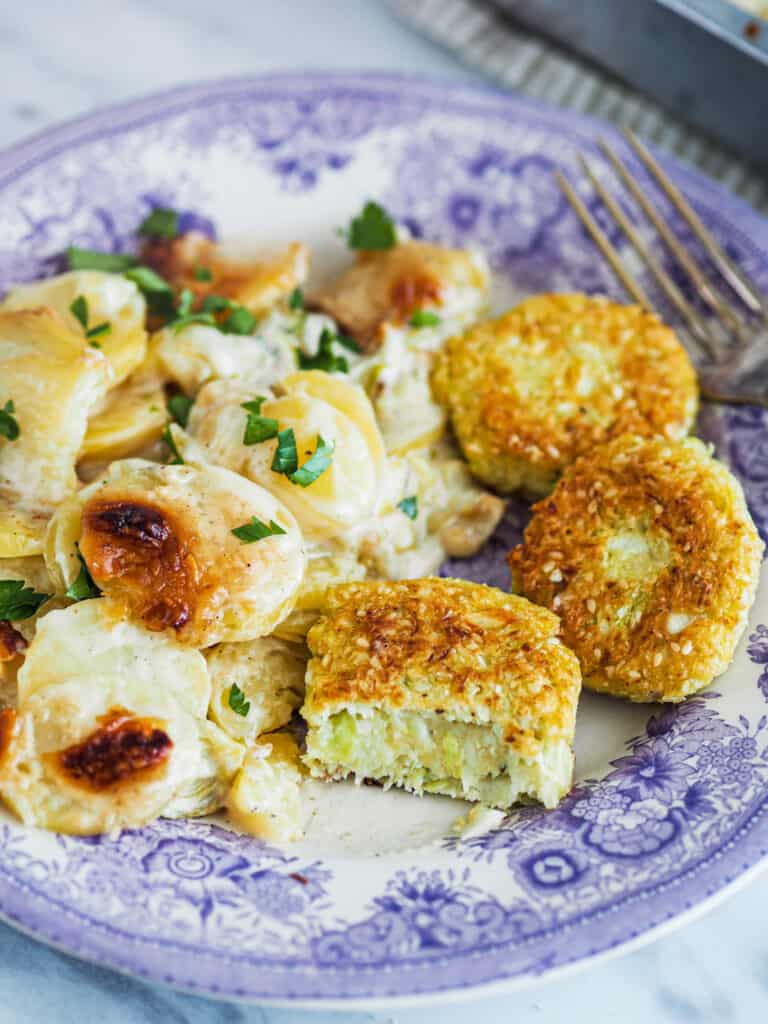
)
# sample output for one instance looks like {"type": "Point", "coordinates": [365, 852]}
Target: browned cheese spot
{"type": "Point", "coordinates": [123, 748]}
{"type": "Point", "coordinates": [135, 550]}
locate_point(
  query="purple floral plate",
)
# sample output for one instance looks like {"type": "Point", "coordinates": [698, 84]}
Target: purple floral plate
{"type": "Point", "coordinates": [387, 898]}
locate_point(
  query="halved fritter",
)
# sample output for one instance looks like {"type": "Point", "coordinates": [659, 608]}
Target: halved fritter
{"type": "Point", "coordinates": [391, 285]}
{"type": "Point", "coordinates": [647, 552]}
{"type": "Point", "coordinates": [535, 388]}
{"type": "Point", "coordinates": [441, 686]}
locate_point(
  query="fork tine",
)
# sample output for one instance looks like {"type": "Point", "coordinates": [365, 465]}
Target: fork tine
{"type": "Point", "coordinates": [670, 289]}
{"type": "Point", "coordinates": [678, 250]}
{"type": "Point", "coordinates": [738, 281]}
{"type": "Point", "coordinates": [604, 245]}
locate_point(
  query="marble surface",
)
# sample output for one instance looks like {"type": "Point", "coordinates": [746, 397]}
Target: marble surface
{"type": "Point", "coordinates": [58, 60]}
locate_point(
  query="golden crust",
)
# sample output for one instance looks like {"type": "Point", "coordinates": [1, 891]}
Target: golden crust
{"type": "Point", "coordinates": [532, 390]}
{"type": "Point", "coordinates": [388, 286]}
{"type": "Point", "coordinates": [647, 552]}
{"type": "Point", "coordinates": [448, 646]}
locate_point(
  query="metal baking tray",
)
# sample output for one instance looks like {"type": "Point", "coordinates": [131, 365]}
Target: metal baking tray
{"type": "Point", "coordinates": [706, 60]}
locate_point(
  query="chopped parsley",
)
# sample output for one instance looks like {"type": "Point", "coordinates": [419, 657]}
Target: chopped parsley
{"type": "Point", "coordinates": [286, 458]}
{"type": "Point", "coordinates": [178, 407]}
{"type": "Point", "coordinates": [258, 428]}
{"type": "Point", "coordinates": [168, 438]}
{"type": "Point", "coordinates": [424, 318]}
{"type": "Point", "coordinates": [203, 274]}
{"type": "Point", "coordinates": [324, 358]}
{"type": "Point", "coordinates": [215, 303]}
{"type": "Point", "coordinates": [79, 309]}
{"type": "Point", "coordinates": [315, 465]}
{"type": "Point", "coordinates": [239, 321]}
{"type": "Point", "coordinates": [18, 601]}
{"type": "Point", "coordinates": [83, 587]}
{"type": "Point", "coordinates": [148, 281]}
{"type": "Point", "coordinates": [256, 530]}
{"type": "Point", "coordinates": [373, 229]}
{"type": "Point", "coordinates": [237, 701]}
{"type": "Point", "coordinates": [296, 299]}
{"type": "Point", "coordinates": [160, 223]}
{"type": "Point", "coordinates": [409, 506]}
{"type": "Point", "coordinates": [9, 425]}
{"type": "Point", "coordinates": [92, 259]}
{"type": "Point", "coordinates": [347, 342]}
{"type": "Point", "coordinates": [193, 318]}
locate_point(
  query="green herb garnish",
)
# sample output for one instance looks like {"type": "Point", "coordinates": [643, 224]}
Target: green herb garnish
{"type": "Point", "coordinates": [347, 342]}
{"type": "Point", "coordinates": [92, 259]}
{"type": "Point", "coordinates": [409, 506]}
{"type": "Point", "coordinates": [424, 318]}
{"type": "Point", "coordinates": [178, 407]}
{"type": "Point", "coordinates": [286, 458]}
{"type": "Point", "coordinates": [168, 438]}
{"type": "Point", "coordinates": [372, 229]}
{"type": "Point", "coordinates": [83, 587]}
{"type": "Point", "coordinates": [194, 318]}
{"type": "Point", "coordinates": [148, 282]}
{"type": "Point", "coordinates": [98, 331]}
{"type": "Point", "coordinates": [237, 701]}
{"type": "Point", "coordinates": [239, 321]}
{"type": "Point", "coordinates": [79, 309]}
{"type": "Point", "coordinates": [18, 601]}
{"type": "Point", "coordinates": [296, 299]}
{"type": "Point", "coordinates": [9, 425]}
{"type": "Point", "coordinates": [315, 465]}
{"type": "Point", "coordinates": [160, 223]}
{"type": "Point", "coordinates": [258, 428]}
{"type": "Point", "coordinates": [215, 303]}
{"type": "Point", "coordinates": [324, 359]}
{"type": "Point", "coordinates": [203, 274]}
{"type": "Point", "coordinates": [256, 530]}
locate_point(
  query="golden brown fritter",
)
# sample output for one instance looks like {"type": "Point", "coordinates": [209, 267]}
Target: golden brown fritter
{"type": "Point", "coordinates": [647, 552]}
{"type": "Point", "coordinates": [471, 652]}
{"type": "Point", "coordinates": [532, 390]}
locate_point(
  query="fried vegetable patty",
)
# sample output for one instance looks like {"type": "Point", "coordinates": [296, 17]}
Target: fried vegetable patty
{"type": "Point", "coordinates": [532, 390]}
{"type": "Point", "coordinates": [647, 552]}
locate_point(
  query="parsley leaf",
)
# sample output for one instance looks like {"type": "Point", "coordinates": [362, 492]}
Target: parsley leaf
{"type": "Point", "coordinates": [184, 306]}
{"type": "Point", "coordinates": [18, 601]}
{"type": "Point", "coordinates": [296, 299]}
{"type": "Point", "coordinates": [256, 530]}
{"type": "Point", "coordinates": [372, 229]}
{"type": "Point", "coordinates": [409, 506]}
{"type": "Point", "coordinates": [193, 318]}
{"type": "Point", "coordinates": [148, 282]}
{"type": "Point", "coordinates": [98, 331]}
{"type": "Point", "coordinates": [286, 458]}
{"type": "Point", "coordinates": [239, 321]}
{"type": "Point", "coordinates": [178, 406]}
{"type": "Point", "coordinates": [83, 587]}
{"type": "Point", "coordinates": [347, 342]}
{"type": "Point", "coordinates": [91, 259]}
{"type": "Point", "coordinates": [324, 359]}
{"type": "Point", "coordinates": [315, 465]}
{"type": "Point", "coordinates": [237, 701]}
{"type": "Point", "coordinates": [424, 318]}
{"type": "Point", "coordinates": [79, 309]}
{"type": "Point", "coordinates": [203, 274]}
{"type": "Point", "coordinates": [168, 438]}
{"type": "Point", "coordinates": [258, 428]}
{"type": "Point", "coordinates": [160, 223]}
{"type": "Point", "coordinates": [215, 303]}
{"type": "Point", "coordinates": [9, 425]}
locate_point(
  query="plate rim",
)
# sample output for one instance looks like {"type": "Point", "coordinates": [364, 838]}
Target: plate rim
{"type": "Point", "coordinates": [125, 115]}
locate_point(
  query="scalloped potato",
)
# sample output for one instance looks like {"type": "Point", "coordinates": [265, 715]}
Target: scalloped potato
{"type": "Point", "coordinates": [53, 378]}
{"type": "Point", "coordinates": [110, 298]}
{"type": "Point", "coordinates": [110, 728]}
{"type": "Point", "coordinates": [159, 540]}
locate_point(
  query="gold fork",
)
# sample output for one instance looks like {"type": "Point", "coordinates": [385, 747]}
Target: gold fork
{"type": "Point", "coordinates": [729, 344]}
